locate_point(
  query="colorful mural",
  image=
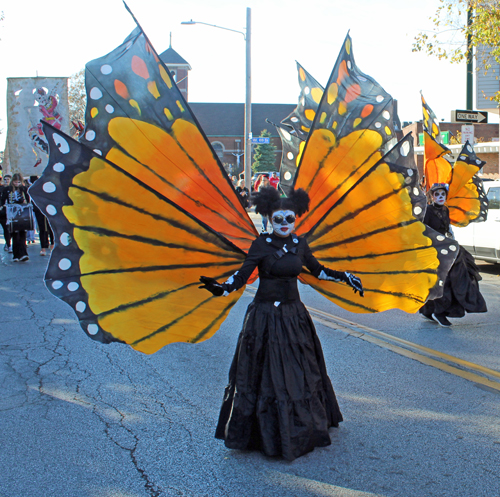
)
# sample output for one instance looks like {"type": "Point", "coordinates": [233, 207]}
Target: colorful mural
{"type": "Point", "coordinates": [30, 101]}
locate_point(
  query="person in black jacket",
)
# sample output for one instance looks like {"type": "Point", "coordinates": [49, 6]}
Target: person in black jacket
{"type": "Point", "coordinates": [461, 289]}
{"type": "Point", "coordinates": [243, 193]}
{"type": "Point", "coordinates": [5, 181]}
{"type": "Point", "coordinates": [279, 398]}
{"type": "Point", "coordinates": [16, 193]}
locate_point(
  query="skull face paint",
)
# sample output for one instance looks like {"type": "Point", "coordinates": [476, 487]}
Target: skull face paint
{"type": "Point", "coordinates": [283, 223]}
{"type": "Point", "coordinates": [439, 196]}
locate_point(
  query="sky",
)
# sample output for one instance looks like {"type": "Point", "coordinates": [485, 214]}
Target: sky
{"type": "Point", "coordinates": [57, 38]}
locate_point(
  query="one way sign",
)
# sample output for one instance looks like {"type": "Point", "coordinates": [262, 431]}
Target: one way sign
{"type": "Point", "coordinates": [468, 116]}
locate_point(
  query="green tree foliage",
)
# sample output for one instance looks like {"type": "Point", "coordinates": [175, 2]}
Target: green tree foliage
{"type": "Point", "coordinates": [448, 40]}
{"type": "Point", "coordinates": [77, 96]}
{"type": "Point", "coordinates": [264, 155]}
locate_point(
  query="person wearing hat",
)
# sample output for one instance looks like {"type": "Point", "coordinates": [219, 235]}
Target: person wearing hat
{"type": "Point", "coordinates": [461, 289]}
{"type": "Point", "coordinates": [279, 399]}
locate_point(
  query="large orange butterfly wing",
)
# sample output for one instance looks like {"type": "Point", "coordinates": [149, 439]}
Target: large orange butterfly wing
{"type": "Point", "coordinates": [467, 200]}
{"type": "Point", "coordinates": [137, 117]}
{"type": "Point", "coordinates": [127, 259]}
{"type": "Point", "coordinates": [366, 206]}
{"type": "Point", "coordinates": [141, 208]}
{"type": "Point", "coordinates": [437, 168]}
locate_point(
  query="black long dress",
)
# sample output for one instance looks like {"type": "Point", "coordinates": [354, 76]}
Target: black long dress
{"type": "Point", "coordinates": [461, 289]}
{"type": "Point", "coordinates": [279, 398]}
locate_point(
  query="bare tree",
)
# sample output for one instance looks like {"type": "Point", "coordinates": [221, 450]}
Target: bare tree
{"type": "Point", "coordinates": [77, 97]}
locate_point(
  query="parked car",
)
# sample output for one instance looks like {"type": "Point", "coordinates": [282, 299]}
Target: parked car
{"type": "Point", "coordinates": [482, 239]}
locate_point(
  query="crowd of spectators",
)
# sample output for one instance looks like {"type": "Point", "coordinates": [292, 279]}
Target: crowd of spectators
{"type": "Point", "coordinates": [260, 180]}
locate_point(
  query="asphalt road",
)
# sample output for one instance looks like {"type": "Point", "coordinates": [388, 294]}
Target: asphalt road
{"type": "Point", "coordinates": [78, 418]}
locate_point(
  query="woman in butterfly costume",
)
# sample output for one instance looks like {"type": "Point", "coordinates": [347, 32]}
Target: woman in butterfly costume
{"type": "Point", "coordinates": [279, 398]}
{"type": "Point", "coordinates": [456, 197]}
{"type": "Point", "coordinates": [461, 289]}
{"type": "Point", "coordinates": [143, 179]}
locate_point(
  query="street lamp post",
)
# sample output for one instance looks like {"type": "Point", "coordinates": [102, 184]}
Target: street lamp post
{"type": "Point", "coordinates": [248, 92]}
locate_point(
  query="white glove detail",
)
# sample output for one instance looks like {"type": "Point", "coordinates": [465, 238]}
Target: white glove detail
{"type": "Point", "coordinates": [323, 276]}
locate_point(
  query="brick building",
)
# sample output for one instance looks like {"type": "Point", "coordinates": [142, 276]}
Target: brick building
{"type": "Point", "coordinates": [223, 123]}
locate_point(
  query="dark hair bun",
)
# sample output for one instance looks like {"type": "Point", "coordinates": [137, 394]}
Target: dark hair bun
{"type": "Point", "coordinates": [268, 200]}
{"type": "Point", "coordinates": [300, 200]}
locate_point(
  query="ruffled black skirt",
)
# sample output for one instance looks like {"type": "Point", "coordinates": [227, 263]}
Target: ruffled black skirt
{"type": "Point", "coordinates": [279, 398]}
{"type": "Point", "coordinates": [461, 290]}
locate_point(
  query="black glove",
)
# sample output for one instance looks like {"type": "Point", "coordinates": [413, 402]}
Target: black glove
{"type": "Point", "coordinates": [211, 285]}
{"type": "Point", "coordinates": [355, 283]}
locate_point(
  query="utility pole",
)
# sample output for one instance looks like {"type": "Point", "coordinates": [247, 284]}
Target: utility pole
{"type": "Point", "coordinates": [248, 104]}
{"type": "Point", "coordinates": [469, 60]}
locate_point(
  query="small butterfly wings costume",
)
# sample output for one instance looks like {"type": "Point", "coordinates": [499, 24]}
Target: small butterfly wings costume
{"type": "Point", "coordinates": [141, 206]}
{"type": "Point", "coordinates": [467, 200]}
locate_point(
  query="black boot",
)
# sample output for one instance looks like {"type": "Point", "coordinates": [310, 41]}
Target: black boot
{"type": "Point", "coordinates": [441, 319]}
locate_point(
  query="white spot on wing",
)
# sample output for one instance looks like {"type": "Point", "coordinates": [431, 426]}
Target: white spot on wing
{"type": "Point", "coordinates": [49, 187]}
{"type": "Point", "coordinates": [92, 329]}
{"type": "Point", "coordinates": [65, 239]}
{"type": "Point", "coordinates": [106, 69]}
{"type": "Point", "coordinates": [61, 143]}
{"type": "Point", "coordinates": [64, 264]}
{"type": "Point", "coordinates": [80, 306]}
{"type": "Point", "coordinates": [95, 93]}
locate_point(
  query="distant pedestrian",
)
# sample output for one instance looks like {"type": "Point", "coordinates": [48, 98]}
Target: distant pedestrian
{"type": "Point", "coordinates": [16, 193]}
{"type": "Point", "coordinates": [264, 183]}
{"type": "Point", "coordinates": [258, 181]}
{"type": "Point", "coordinates": [243, 193]}
{"type": "Point", "coordinates": [274, 180]}
{"type": "Point", "coordinates": [4, 183]}
{"type": "Point", "coordinates": [30, 234]}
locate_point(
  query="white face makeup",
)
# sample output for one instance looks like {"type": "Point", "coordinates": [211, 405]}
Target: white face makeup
{"type": "Point", "coordinates": [439, 196]}
{"type": "Point", "coordinates": [283, 223]}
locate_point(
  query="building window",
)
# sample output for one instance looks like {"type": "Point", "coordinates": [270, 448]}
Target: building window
{"type": "Point", "coordinates": [219, 149]}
